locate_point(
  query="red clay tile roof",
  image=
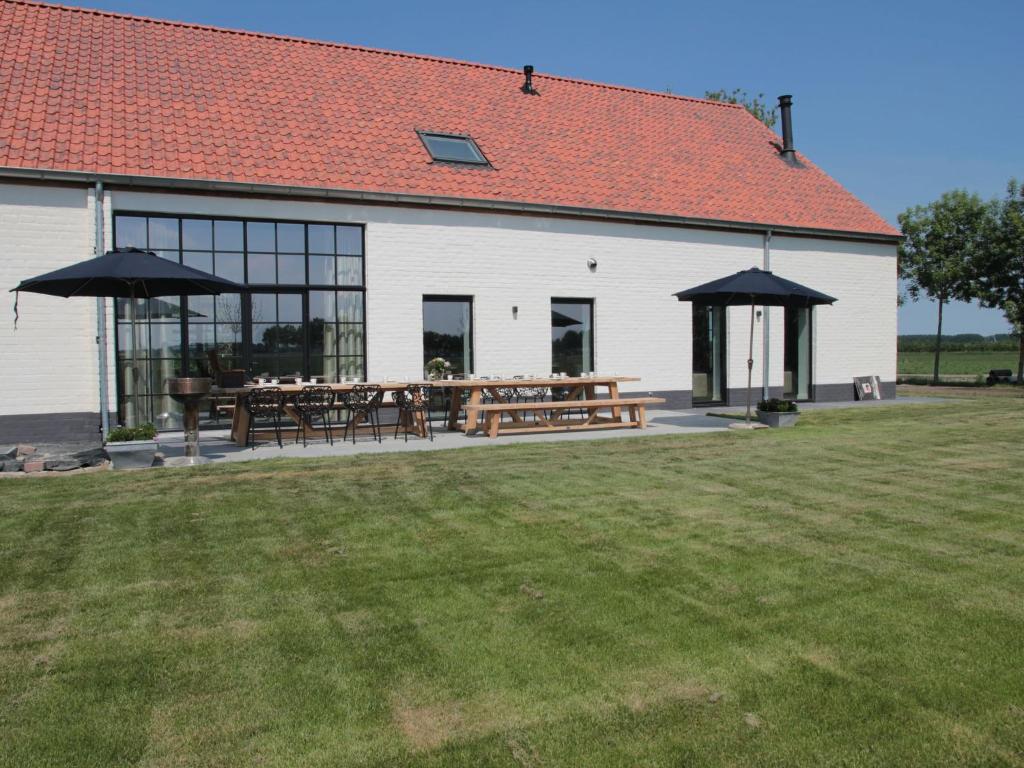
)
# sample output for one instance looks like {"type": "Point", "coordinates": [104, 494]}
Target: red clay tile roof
{"type": "Point", "coordinates": [99, 92]}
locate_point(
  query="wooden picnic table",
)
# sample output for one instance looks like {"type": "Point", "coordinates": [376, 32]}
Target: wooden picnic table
{"type": "Point", "coordinates": [240, 416]}
{"type": "Point", "coordinates": [576, 386]}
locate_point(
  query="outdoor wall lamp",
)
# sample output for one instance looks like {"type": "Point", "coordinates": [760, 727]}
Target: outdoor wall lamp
{"type": "Point", "coordinates": [592, 265]}
{"type": "Point", "coordinates": [515, 312]}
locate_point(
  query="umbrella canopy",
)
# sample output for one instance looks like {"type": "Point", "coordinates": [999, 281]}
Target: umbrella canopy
{"type": "Point", "coordinates": [128, 273]}
{"type": "Point", "coordinates": [754, 286]}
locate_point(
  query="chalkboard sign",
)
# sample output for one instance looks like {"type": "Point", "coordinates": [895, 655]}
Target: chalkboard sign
{"type": "Point", "coordinates": [867, 387]}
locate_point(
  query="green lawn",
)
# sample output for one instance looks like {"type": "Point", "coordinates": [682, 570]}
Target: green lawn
{"type": "Point", "coordinates": [849, 592]}
{"type": "Point", "coordinates": [975, 363]}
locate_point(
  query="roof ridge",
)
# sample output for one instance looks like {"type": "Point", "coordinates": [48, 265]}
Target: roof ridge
{"type": "Point", "coordinates": [363, 48]}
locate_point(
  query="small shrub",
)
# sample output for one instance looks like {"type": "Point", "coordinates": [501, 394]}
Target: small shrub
{"type": "Point", "coordinates": [127, 434]}
{"type": "Point", "coordinates": [775, 405]}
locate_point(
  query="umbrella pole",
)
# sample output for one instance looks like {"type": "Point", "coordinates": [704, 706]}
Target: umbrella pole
{"type": "Point", "coordinates": [750, 360]}
{"type": "Point", "coordinates": [136, 379]}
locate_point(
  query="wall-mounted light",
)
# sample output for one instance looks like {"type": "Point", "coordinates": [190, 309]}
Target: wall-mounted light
{"type": "Point", "coordinates": [759, 315]}
{"type": "Point", "coordinates": [592, 265]}
{"type": "Point", "coordinates": [515, 312]}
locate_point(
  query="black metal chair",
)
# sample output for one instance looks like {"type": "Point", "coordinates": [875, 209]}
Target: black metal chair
{"type": "Point", "coordinates": [264, 402]}
{"type": "Point", "coordinates": [311, 403]}
{"type": "Point", "coordinates": [413, 401]}
{"type": "Point", "coordinates": [362, 403]}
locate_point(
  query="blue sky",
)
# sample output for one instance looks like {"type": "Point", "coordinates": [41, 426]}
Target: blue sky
{"type": "Point", "coordinates": [898, 100]}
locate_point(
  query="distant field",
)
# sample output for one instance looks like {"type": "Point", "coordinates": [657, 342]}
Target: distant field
{"type": "Point", "coordinates": [956, 362]}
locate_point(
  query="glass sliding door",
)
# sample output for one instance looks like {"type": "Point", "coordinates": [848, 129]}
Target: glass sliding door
{"type": "Point", "coordinates": [572, 336]}
{"type": "Point", "coordinates": [300, 313]}
{"type": "Point", "coordinates": [448, 331]}
{"type": "Point", "coordinates": [708, 354]}
{"type": "Point", "coordinates": [797, 362]}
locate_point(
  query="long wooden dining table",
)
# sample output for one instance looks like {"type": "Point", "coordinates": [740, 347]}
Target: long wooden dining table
{"type": "Point", "coordinates": [240, 415]}
{"type": "Point", "coordinates": [577, 387]}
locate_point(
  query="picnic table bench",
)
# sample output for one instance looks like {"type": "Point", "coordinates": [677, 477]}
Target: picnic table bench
{"type": "Point", "coordinates": [999, 375]}
{"type": "Point", "coordinates": [550, 416]}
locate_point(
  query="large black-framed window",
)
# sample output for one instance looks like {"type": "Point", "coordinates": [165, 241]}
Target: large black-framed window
{"type": "Point", "coordinates": [572, 336]}
{"type": "Point", "coordinates": [709, 354]}
{"type": "Point", "coordinates": [448, 331]}
{"type": "Point", "coordinates": [796, 366]}
{"type": "Point", "coordinates": [301, 313]}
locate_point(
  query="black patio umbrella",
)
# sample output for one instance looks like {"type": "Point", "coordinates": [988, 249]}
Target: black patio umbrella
{"type": "Point", "coordinates": [755, 287]}
{"type": "Point", "coordinates": [126, 273]}
{"type": "Point", "coordinates": [559, 320]}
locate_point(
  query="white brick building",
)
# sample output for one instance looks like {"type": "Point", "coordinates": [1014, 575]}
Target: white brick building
{"type": "Point", "coordinates": [514, 234]}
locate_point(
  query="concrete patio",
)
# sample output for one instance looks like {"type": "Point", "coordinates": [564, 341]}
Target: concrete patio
{"type": "Point", "coordinates": [217, 446]}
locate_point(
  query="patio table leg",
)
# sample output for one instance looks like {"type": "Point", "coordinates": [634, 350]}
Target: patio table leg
{"type": "Point", "coordinates": [472, 416]}
{"type": "Point", "coordinates": [240, 422]}
{"type": "Point", "coordinates": [455, 393]}
{"type": "Point", "coordinates": [613, 393]}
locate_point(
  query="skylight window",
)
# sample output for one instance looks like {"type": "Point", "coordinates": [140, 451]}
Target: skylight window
{"type": "Point", "coordinates": [451, 148]}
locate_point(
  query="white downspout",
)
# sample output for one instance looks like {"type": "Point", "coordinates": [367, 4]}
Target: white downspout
{"type": "Point", "coordinates": [766, 395]}
{"type": "Point", "coordinates": [101, 319]}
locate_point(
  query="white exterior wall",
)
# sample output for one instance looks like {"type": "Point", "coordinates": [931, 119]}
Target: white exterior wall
{"type": "Point", "coordinates": [500, 260]}
{"type": "Point", "coordinates": [50, 361]}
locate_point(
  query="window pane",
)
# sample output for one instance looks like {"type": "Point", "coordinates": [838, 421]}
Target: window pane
{"type": "Point", "coordinates": [291, 238]}
{"type": "Point", "coordinates": [163, 233]}
{"type": "Point", "coordinates": [350, 241]}
{"type": "Point", "coordinates": [227, 235]}
{"type": "Point", "coordinates": [229, 308]}
{"type": "Point", "coordinates": [264, 337]}
{"type": "Point", "coordinates": [229, 266]}
{"type": "Point", "coordinates": [350, 270]}
{"type": "Point", "coordinates": [165, 309]}
{"type": "Point", "coordinates": [350, 339]}
{"type": "Point", "coordinates": [166, 254]}
{"type": "Point", "coordinates": [262, 268]}
{"type": "Point", "coordinates": [289, 307]}
{"type": "Point", "coordinates": [321, 238]}
{"type": "Point", "coordinates": [452, 148]}
{"type": "Point", "coordinates": [321, 270]}
{"type": "Point", "coordinates": [131, 232]}
{"type": "Point", "coordinates": [572, 337]}
{"type": "Point", "coordinates": [291, 269]}
{"type": "Point", "coordinates": [264, 308]}
{"type": "Point", "coordinates": [350, 306]}
{"type": "Point", "coordinates": [197, 234]}
{"type": "Point", "coordinates": [165, 340]}
{"type": "Point", "coordinates": [200, 338]}
{"type": "Point", "coordinates": [201, 260]}
{"type": "Point", "coordinates": [259, 236]}
{"type": "Point", "coordinates": [351, 366]}
{"type": "Point", "coordinates": [200, 308]}
{"type": "Point", "coordinates": [447, 332]}
{"type": "Point", "coordinates": [321, 306]}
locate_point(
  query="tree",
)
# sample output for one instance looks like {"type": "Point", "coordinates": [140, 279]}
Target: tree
{"type": "Point", "coordinates": [1001, 271]}
{"type": "Point", "coordinates": [755, 104]}
{"type": "Point", "coordinates": [943, 244]}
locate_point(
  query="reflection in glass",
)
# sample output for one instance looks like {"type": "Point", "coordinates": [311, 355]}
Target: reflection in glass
{"type": "Point", "coordinates": [262, 268]}
{"type": "Point", "coordinates": [448, 331]}
{"type": "Point", "coordinates": [230, 266]}
{"type": "Point", "coordinates": [291, 238]}
{"type": "Point", "coordinates": [797, 358]}
{"type": "Point", "coordinates": [197, 234]}
{"type": "Point", "coordinates": [321, 238]}
{"type": "Point", "coordinates": [291, 269]}
{"type": "Point", "coordinates": [201, 260]}
{"type": "Point", "coordinates": [259, 236]}
{"type": "Point", "coordinates": [350, 241]}
{"type": "Point", "coordinates": [227, 236]}
{"type": "Point", "coordinates": [131, 232]}
{"type": "Point", "coordinates": [572, 336]}
{"type": "Point", "coordinates": [163, 233]}
{"type": "Point", "coordinates": [708, 354]}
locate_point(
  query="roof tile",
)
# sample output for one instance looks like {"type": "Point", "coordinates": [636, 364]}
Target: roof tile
{"type": "Point", "coordinates": [94, 91]}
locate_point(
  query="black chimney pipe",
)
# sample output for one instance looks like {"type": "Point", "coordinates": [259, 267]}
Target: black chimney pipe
{"type": "Point", "coordinates": [785, 107]}
{"type": "Point", "coordinates": [528, 82]}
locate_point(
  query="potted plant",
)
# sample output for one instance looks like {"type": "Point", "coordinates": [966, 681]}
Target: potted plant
{"type": "Point", "coordinates": [132, 447]}
{"type": "Point", "coordinates": [777, 413]}
{"type": "Point", "coordinates": [437, 368]}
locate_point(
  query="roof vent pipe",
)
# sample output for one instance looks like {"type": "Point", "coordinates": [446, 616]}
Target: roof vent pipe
{"type": "Point", "coordinates": [528, 81]}
{"type": "Point", "coordinates": [785, 108]}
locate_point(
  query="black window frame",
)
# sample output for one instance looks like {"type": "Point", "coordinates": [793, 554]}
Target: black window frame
{"type": "Point", "coordinates": [458, 299]}
{"type": "Point", "coordinates": [723, 355]}
{"type": "Point", "coordinates": [187, 358]}
{"type": "Point", "coordinates": [483, 162]}
{"type": "Point", "coordinates": [593, 326]}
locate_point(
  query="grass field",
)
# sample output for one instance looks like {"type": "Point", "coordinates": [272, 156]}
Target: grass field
{"type": "Point", "coordinates": [848, 592]}
{"type": "Point", "coordinates": [961, 363]}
